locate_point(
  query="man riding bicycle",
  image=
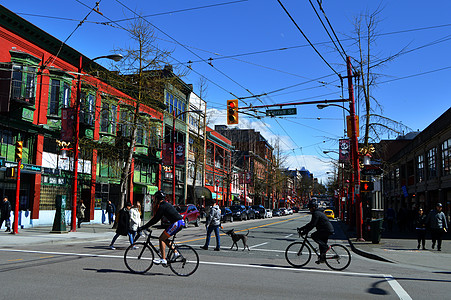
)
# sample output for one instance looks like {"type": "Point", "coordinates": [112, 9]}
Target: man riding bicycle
{"type": "Point", "coordinates": [323, 229]}
{"type": "Point", "coordinates": [164, 209]}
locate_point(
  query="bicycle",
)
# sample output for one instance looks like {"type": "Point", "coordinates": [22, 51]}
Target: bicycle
{"type": "Point", "coordinates": [298, 254]}
{"type": "Point", "coordinates": [183, 260]}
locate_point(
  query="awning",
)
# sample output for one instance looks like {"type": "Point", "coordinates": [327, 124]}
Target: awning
{"type": "Point", "coordinates": [202, 192]}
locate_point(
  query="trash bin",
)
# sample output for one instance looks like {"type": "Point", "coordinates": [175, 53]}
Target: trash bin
{"type": "Point", "coordinates": [376, 230]}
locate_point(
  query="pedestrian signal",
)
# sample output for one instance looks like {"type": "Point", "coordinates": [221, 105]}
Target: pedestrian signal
{"type": "Point", "coordinates": [10, 172]}
{"type": "Point", "coordinates": [366, 186]}
{"type": "Point", "coordinates": [19, 149]}
{"type": "Point", "coordinates": [232, 112]}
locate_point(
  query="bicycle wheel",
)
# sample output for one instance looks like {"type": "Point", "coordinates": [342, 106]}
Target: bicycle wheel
{"type": "Point", "coordinates": [138, 258]}
{"type": "Point", "coordinates": [298, 254]}
{"type": "Point", "coordinates": [186, 263]}
{"type": "Point", "coordinates": [338, 257]}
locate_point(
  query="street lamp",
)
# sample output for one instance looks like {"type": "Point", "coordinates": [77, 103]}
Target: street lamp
{"type": "Point", "coordinates": [115, 57]}
{"type": "Point", "coordinates": [321, 106]}
{"type": "Point", "coordinates": [175, 117]}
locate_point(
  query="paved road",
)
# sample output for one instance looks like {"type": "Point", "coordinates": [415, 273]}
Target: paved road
{"type": "Point", "coordinates": [77, 267]}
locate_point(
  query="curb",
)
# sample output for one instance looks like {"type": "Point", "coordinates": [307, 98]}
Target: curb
{"type": "Point", "coordinates": [361, 252]}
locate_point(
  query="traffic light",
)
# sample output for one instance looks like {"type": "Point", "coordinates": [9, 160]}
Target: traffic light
{"type": "Point", "coordinates": [232, 112]}
{"type": "Point", "coordinates": [19, 148]}
{"type": "Point", "coordinates": [366, 186]}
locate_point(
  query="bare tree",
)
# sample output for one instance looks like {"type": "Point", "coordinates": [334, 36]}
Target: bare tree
{"type": "Point", "coordinates": [367, 64]}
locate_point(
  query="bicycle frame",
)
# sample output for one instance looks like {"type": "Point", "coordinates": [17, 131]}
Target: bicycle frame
{"type": "Point", "coordinates": [157, 251]}
{"type": "Point", "coordinates": [305, 240]}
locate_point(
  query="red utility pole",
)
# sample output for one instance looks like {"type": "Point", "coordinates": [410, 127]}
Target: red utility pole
{"type": "Point", "coordinates": [77, 142]}
{"type": "Point", "coordinates": [16, 207]}
{"type": "Point", "coordinates": [173, 156]}
{"type": "Point", "coordinates": [355, 175]}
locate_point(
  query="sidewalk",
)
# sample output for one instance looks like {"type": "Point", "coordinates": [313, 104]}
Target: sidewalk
{"type": "Point", "coordinates": [401, 247]}
{"type": "Point", "coordinates": [42, 235]}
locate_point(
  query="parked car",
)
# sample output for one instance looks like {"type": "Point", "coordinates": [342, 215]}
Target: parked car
{"type": "Point", "coordinates": [226, 215]}
{"type": "Point", "coordinates": [189, 213]}
{"type": "Point", "coordinates": [239, 212]}
{"type": "Point", "coordinates": [259, 210]}
{"type": "Point", "coordinates": [283, 211]}
{"type": "Point", "coordinates": [289, 211]}
{"type": "Point", "coordinates": [250, 212]}
{"type": "Point", "coordinates": [276, 212]}
{"type": "Point", "coordinates": [268, 213]}
{"type": "Point", "coordinates": [295, 209]}
{"type": "Point", "coordinates": [329, 213]}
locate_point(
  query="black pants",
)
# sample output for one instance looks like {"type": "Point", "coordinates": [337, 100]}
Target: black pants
{"type": "Point", "coordinates": [421, 236]}
{"type": "Point", "coordinates": [436, 234]}
{"type": "Point", "coordinates": [321, 237]}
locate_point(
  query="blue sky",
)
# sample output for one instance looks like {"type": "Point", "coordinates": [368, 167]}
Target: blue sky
{"type": "Point", "coordinates": [255, 48]}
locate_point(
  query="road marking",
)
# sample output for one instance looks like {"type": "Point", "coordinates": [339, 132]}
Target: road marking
{"type": "Point", "coordinates": [258, 245]}
{"type": "Point", "coordinates": [18, 259]}
{"type": "Point", "coordinates": [288, 236]}
{"type": "Point", "coordinates": [402, 294]}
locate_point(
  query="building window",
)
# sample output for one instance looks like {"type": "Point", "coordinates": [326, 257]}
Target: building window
{"type": "Point", "coordinates": [420, 168]}
{"type": "Point", "coordinates": [59, 96]}
{"type": "Point", "coordinates": [87, 113]}
{"type": "Point", "coordinates": [176, 105]}
{"type": "Point", "coordinates": [24, 83]}
{"type": "Point", "coordinates": [108, 118]}
{"type": "Point", "coordinates": [432, 163]}
{"type": "Point", "coordinates": [446, 157]}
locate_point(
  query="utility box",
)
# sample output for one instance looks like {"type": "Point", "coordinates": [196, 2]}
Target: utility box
{"type": "Point", "coordinates": [59, 223]}
{"type": "Point", "coordinates": [376, 230]}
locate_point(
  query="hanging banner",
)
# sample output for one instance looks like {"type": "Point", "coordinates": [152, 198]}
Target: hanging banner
{"type": "Point", "coordinates": [344, 151]}
{"type": "Point", "coordinates": [67, 124]}
{"type": "Point", "coordinates": [179, 153]}
{"type": "Point", "coordinates": [167, 154]}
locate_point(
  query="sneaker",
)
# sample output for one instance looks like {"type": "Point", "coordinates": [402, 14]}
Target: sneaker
{"type": "Point", "coordinates": [160, 261]}
{"type": "Point", "coordinates": [112, 247]}
{"type": "Point", "coordinates": [433, 245]}
{"type": "Point", "coordinates": [135, 247]}
{"type": "Point", "coordinates": [217, 249]}
{"type": "Point", "coordinates": [175, 255]}
{"type": "Point", "coordinates": [204, 247]}
{"type": "Point", "coordinates": [321, 259]}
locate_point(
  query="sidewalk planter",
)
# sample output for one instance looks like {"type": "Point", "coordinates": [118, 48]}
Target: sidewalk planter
{"type": "Point", "coordinates": [376, 230]}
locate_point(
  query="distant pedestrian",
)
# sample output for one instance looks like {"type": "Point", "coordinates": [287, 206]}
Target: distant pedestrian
{"type": "Point", "coordinates": [111, 210]}
{"type": "Point", "coordinates": [135, 221]}
{"type": "Point", "coordinates": [390, 216]}
{"type": "Point", "coordinates": [81, 208]}
{"type": "Point", "coordinates": [420, 228]}
{"type": "Point", "coordinates": [123, 225]}
{"type": "Point", "coordinates": [5, 210]}
{"type": "Point", "coordinates": [213, 224]}
{"type": "Point", "coordinates": [436, 221]}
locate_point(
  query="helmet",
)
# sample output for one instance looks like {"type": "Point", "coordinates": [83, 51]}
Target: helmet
{"type": "Point", "coordinates": [160, 195]}
{"type": "Point", "coordinates": [312, 204]}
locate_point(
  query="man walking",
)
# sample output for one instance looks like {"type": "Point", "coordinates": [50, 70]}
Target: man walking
{"type": "Point", "coordinates": [6, 214]}
{"type": "Point", "coordinates": [436, 222]}
{"type": "Point", "coordinates": [213, 224]}
{"type": "Point", "coordinates": [110, 209]}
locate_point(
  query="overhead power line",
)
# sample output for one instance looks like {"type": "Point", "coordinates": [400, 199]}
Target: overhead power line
{"type": "Point", "coordinates": [303, 34]}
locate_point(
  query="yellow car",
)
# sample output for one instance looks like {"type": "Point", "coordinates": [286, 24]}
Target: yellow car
{"type": "Point", "coordinates": [329, 213]}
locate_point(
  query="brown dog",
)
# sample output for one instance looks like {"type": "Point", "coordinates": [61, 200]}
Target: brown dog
{"type": "Point", "coordinates": [236, 237]}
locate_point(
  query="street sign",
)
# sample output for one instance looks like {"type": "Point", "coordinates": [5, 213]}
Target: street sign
{"type": "Point", "coordinates": [371, 170]}
{"type": "Point", "coordinates": [2, 161]}
{"type": "Point", "coordinates": [281, 112]}
{"type": "Point", "coordinates": [31, 168]}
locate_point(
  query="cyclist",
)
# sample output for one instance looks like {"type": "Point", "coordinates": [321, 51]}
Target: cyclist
{"type": "Point", "coordinates": [323, 230]}
{"type": "Point", "coordinates": [164, 209]}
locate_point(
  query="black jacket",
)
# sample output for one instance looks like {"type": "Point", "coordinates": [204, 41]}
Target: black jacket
{"type": "Point", "coordinates": [167, 210]}
{"type": "Point", "coordinates": [111, 208]}
{"type": "Point", "coordinates": [123, 222]}
{"type": "Point", "coordinates": [320, 221]}
{"type": "Point", "coordinates": [5, 209]}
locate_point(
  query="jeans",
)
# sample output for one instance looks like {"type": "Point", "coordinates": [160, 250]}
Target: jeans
{"type": "Point", "coordinates": [130, 238]}
{"type": "Point", "coordinates": [110, 217]}
{"type": "Point", "coordinates": [210, 229]}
